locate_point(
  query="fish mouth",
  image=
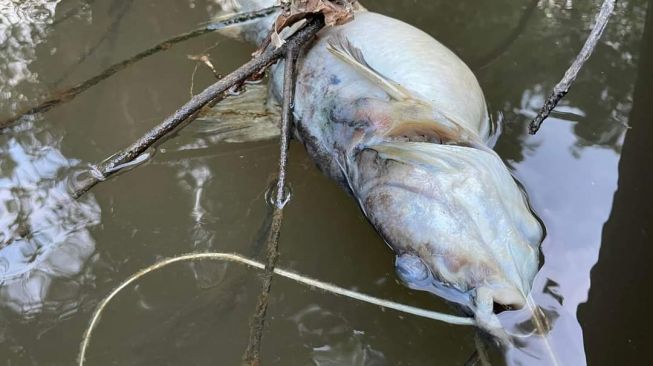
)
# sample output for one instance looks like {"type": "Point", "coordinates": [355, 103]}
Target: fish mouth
{"type": "Point", "coordinates": [460, 225]}
{"type": "Point", "coordinates": [415, 274]}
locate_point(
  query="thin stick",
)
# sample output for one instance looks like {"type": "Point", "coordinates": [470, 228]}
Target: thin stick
{"type": "Point", "coordinates": [286, 121]}
{"type": "Point", "coordinates": [188, 110]}
{"type": "Point", "coordinates": [562, 88]}
{"type": "Point", "coordinates": [253, 351]}
{"type": "Point", "coordinates": [69, 94]}
{"type": "Point", "coordinates": [228, 257]}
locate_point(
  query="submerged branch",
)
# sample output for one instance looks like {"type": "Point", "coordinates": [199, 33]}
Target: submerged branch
{"type": "Point", "coordinates": [562, 88]}
{"type": "Point", "coordinates": [186, 112]}
{"type": "Point", "coordinates": [90, 51]}
{"type": "Point", "coordinates": [69, 94]}
{"type": "Point", "coordinates": [252, 353]}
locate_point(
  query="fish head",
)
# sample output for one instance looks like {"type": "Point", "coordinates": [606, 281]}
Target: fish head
{"type": "Point", "coordinates": [459, 223]}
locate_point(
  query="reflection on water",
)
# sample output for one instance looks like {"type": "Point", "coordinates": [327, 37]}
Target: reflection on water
{"type": "Point", "coordinates": [571, 247]}
{"type": "Point", "coordinates": [193, 176]}
{"type": "Point", "coordinates": [199, 193]}
{"type": "Point", "coordinates": [45, 241]}
{"type": "Point", "coordinates": [23, 25]}
{"type": "Point", "coordinates": [570, 167]}
{"type": "Point", "coordinates": [332, 341]}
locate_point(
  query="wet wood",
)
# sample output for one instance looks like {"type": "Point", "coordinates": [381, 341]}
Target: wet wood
{"type": "Point", "coordinates": [562, 88]}
{"type": "Point", "coordinates": [281, 197]}
{"type": "Point", "coordinates": [186, 113]}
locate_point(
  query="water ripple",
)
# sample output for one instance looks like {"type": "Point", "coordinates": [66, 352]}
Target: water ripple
{"type": "Point", "coordinates": [23, 26]}
{"type": "Point", "coordinates": [46, 240]}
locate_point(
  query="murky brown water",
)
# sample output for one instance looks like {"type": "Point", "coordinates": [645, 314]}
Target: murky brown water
{"type": "Point", "coordinates": [588, 177]}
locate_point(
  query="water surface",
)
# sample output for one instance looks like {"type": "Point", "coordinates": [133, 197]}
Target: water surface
{"type": "Point", "coordinates": [586, 173]}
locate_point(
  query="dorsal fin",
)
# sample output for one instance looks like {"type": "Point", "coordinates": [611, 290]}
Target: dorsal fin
{"type": "Point", "coordinates": [340, 47]}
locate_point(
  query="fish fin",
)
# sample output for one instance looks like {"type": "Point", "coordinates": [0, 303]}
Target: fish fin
{"type": "Point", "coordinates": [424, 121]}
{"type": "Point", "coordinates": [444, 158]}
{"type": "Point", "coordinates": [418, 122]}
{"type": "Point", "coordinates": [429, 130]}
{"type": "Point", "coordinates": [432, 131]}
{"type": "Point", "coordinates": [340, 47]}
{"type": "Point", "coordinates": [248, 117]}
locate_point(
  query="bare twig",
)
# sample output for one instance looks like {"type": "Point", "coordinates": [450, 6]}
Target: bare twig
{"type": "Point", "coordinates": [215, 91]}
{"type": "Point", "coordinates": [562, 88]}
{"type": "Point", "coordinates": [286, 121]}
{"type": "Point", "coordinates": [70, 93]}
{"type": "Point", "coordinates": [252, 353]}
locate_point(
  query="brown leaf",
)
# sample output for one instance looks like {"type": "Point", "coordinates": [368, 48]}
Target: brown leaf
{"type": "Point", "coordinates": [335, 12]}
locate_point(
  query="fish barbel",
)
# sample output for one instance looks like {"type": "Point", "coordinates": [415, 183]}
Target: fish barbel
{"type": "Point", "coordinates": [400, 122]}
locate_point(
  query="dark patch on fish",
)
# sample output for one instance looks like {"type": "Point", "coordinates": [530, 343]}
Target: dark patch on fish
{"type": "Point", "coordinates": [321, 157]}
{"type": "Point", "coordinates": [334, 80]}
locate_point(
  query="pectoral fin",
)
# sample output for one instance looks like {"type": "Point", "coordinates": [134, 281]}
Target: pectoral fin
{"type": "Point", "coordinates": [412, 117]}
{"type": "Point", "coordinates": [340, 47]}
{"type": "Point", "coordinates": [248, 117]}
{"type": "Point", "coordinates": [418, 122]}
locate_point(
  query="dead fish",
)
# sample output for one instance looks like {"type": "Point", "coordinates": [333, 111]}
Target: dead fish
{"type": "Point", "coordinates": [400, 122]}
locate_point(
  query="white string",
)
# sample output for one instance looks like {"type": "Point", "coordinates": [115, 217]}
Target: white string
{"type": "Point", "coordinates": [451, 319]}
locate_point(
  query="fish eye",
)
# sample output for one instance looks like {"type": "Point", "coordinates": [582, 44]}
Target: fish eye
{"type": "Point", "coordinates": [410, 268]}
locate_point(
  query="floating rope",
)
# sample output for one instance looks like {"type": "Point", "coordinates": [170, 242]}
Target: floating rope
{"type": "Point", "coordinates": [228, 257]}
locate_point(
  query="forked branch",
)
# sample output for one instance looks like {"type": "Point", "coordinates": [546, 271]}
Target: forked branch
{"type": "Point", "coordinates": [188, 110]}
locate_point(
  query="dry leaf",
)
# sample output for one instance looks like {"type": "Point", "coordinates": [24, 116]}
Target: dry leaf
{"type": "Point", "coordinates": [335, 12]}
{"type": "Point", "coordinates": [278, 39]}
{"type": "Point", "coordinates": [203, 58]}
